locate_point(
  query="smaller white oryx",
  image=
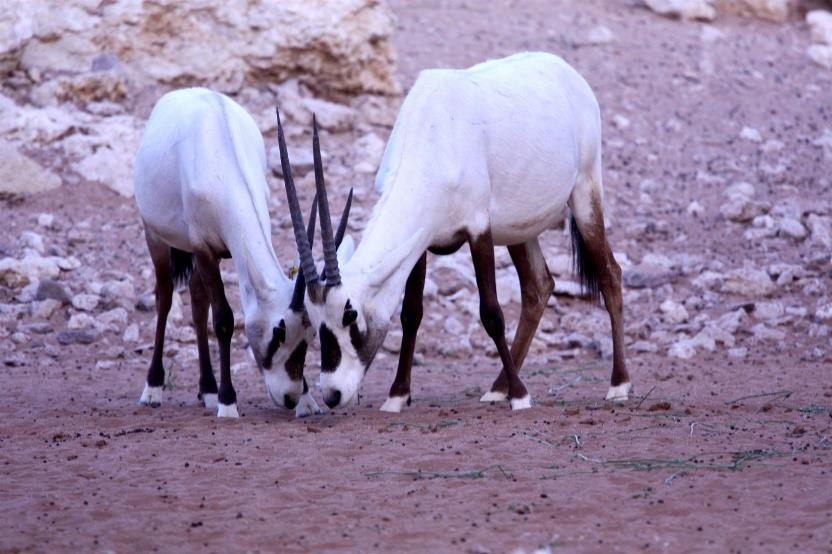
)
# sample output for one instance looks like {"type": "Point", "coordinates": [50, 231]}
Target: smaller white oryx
{"type": "Point", "coordinates": [489, 155]}
{"type": "Point", "coordinates": [201, 190]}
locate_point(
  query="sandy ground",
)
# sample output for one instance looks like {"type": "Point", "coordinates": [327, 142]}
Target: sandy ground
{"type": "Point", "coordinates": [712, 454]}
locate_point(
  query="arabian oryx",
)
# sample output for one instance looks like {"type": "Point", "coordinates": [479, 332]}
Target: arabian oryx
{"type": "Point", "coordinates": [201, 190]}
{"type": "Point", "coordinates": [489, 155]}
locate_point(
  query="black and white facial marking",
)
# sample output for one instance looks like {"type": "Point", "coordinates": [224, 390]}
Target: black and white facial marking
{"type": "Point", "coordinates": [330, 350]}
{"type": "Point", "coordinates": [281, 355]}
{"type": "Point", "coordinates": [278, 338]}
{"type": "Point", "coordinates": [347, 348]}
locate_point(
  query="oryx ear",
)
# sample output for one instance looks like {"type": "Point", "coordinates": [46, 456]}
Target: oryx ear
{"type": "Point", "coordinates": [346, 250]}
{"type": "Point", "coordinates": [350, 315]}
{"type": "Point", "coordinates": [391, 261]}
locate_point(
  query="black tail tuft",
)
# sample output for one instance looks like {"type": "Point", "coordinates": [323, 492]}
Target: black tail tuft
{"type": "Point", "coordinates": [583, 265]}
{"type": "Point", "coordinates": [181, 267]}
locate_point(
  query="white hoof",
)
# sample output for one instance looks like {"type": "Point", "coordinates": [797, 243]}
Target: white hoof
{"type": "Point", "coordinates": [619, 393]}
{"type": "Point", "coordinates": [210, 401]}
{"type": "Point", "coordinates": [151, 396]}
{"type": "Point", "coordinates": [394, 404]}
{"type": "Point", "coordinates": [227, 410]}
{"type": "Point", "coordinates": [521, 403]}
{"type": "Point", "coordinates": [307, 406]}
{"type": "Point", "coordinates": [494, 396]}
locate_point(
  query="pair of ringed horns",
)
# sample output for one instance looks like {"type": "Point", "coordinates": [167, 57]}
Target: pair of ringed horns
{"type": "Point", "coordinates": [309, 273]}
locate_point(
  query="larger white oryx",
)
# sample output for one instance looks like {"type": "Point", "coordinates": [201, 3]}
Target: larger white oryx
{"type": "Point", "coordinates": [489, 155]}
{"type": "Point", "coordinates": [201, 190]}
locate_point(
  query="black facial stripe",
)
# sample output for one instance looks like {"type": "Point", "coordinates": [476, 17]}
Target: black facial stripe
{"type": "Point", "coordinates": [359, 342]}
{"type": "Point", "coordinates": [278, 338]}
{"type": "Point", "coordinates": [274, 344]}
{"type": "Point", "coordinates": [330, 350]}
{"type": "Point", "coordinates": [295, 363]}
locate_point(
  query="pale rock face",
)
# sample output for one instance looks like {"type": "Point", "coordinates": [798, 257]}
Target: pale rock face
{"type": "Point", "coordinates": [113, 320]}
{"type": "Point", "coordinates": [86, 302]}
{"type": "Point", "coordinates": [508, 289]}
{"type": "Point", "coordinates": [368, 151]}
{"type": "Point", "coordinates": [30, 269]}
{"type": "Point", "coordinates": [792, 228]}
{"type": "Point", "coordinates": [22, 175]}
{"type": "Point", "coordinates": [131, 334]}
{"type": "Point", "coordinates": [748, 282]}
{"type": "Point", "coordinates": [773, 10]}
{"type": "Point", "coordinates": [43, 309]}
{"type": "Point", "coordinates": [820, 23]}
{"type": "Point", "coordinates": [345, 44]}
{"type": "Point", "coordinates": [596, 36]}
{"type": "Point", "coordinates": [30, 239]}
{"type": "Point", "coordinates": [751, 134]}
{"type": "Point", "coordinates": [106, 152]}
{"type": "Point", "coordinates": [673, 312]}
{"type": "Point", "coordinates": [684, 349]}
{"type": "Point", "coordinates": [768, 311]}
{"type": "Point", "coordinates": [739, 204]}
{"type": "Point", "coordinates": [824, 312]}
{"type": "Point", "coordinates": [685, 9]}
{"type": "Point", "coordinates": [821, 54]}
{"type": "Point", "coordinates": [821, 228]}
{"type": "Point", "coordinates": [81, 321]}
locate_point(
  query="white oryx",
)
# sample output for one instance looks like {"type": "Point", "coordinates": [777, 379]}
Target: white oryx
{"type": "Point", "coordinates": [201, 190]}
{"type": "Point", "coordinates": [489, 155]}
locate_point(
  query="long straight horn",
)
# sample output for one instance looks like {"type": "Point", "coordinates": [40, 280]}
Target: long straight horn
{"type": "Point", "coordinates": [342, 226]}
{"type": "Point", "coordinates": [333, 276]}
{"type": "Point", "coordinates": [345, 215]}
{"type": "Point", "coordinates": [307, 262]}
{"type": "Point", "coordinates": [296, 305]}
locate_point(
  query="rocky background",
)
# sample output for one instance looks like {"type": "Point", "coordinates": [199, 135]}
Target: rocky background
{"type": "Point", "coordinates": [81, 77]}
{"type": "Point", "coordinates": [718, 179]}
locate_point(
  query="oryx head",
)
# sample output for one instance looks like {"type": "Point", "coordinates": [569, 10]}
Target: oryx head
{"type": "Point", "coordinates": [349, 336]}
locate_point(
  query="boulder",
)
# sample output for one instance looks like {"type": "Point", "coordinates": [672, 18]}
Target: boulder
{"type": "Point", "coordinates": [31, 269]}
{"type": "Point", "coordinates": [748, 281]}
{"type": "Point", "coordinates": [673, 312]}
{"type": "Point", "coordinates": [105, 152]}
{"type": "Point", "coordinates": [367, 153]}
{"type": "Point", "coordinates": [773, 10]}
{"type": "Point", "coordinates": [685, 9]}
{"type": "Point", "coordinates": [821, 228]}
{"type": "Point", "coordinates": [20, 174]}
{"type": "Point", "coordinates": [820, 23]}
{"type": "Point", "coordinates": [52, 290]}
{"type": "Point", "coordinates": [345, 44]}
{"type": "Point", "coordinates": [821, 54]}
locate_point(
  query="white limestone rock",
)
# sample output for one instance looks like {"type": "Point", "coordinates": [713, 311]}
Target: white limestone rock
{"type": "Point", "coordinates": [685, 9]}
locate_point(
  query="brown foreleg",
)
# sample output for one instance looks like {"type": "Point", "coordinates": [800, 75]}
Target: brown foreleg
{"type": "Point", "coordinates": [482, 254]}
{"type": "Point", "coordinates": [411, 319]}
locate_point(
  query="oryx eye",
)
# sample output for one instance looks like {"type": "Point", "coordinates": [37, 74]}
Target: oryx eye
{"type": "Point", "coordinates": [350, 315]}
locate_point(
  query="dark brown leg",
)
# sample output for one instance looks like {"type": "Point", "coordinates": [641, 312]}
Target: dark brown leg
{"type": "Point", "coordinates": [482, 253]}
{"type": "Point", "coordinates": [160, 254]}
{"type": "Point", "coordinates": [411, 318]}
{"type": "Point", "coordinates": [536, 285]}
{"type": "Point", "coordinates": [208, 268]}
{"type": "Point", "coordinates": [199, 310]}
{"type": "Point", "coordinates": [603, 263]}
